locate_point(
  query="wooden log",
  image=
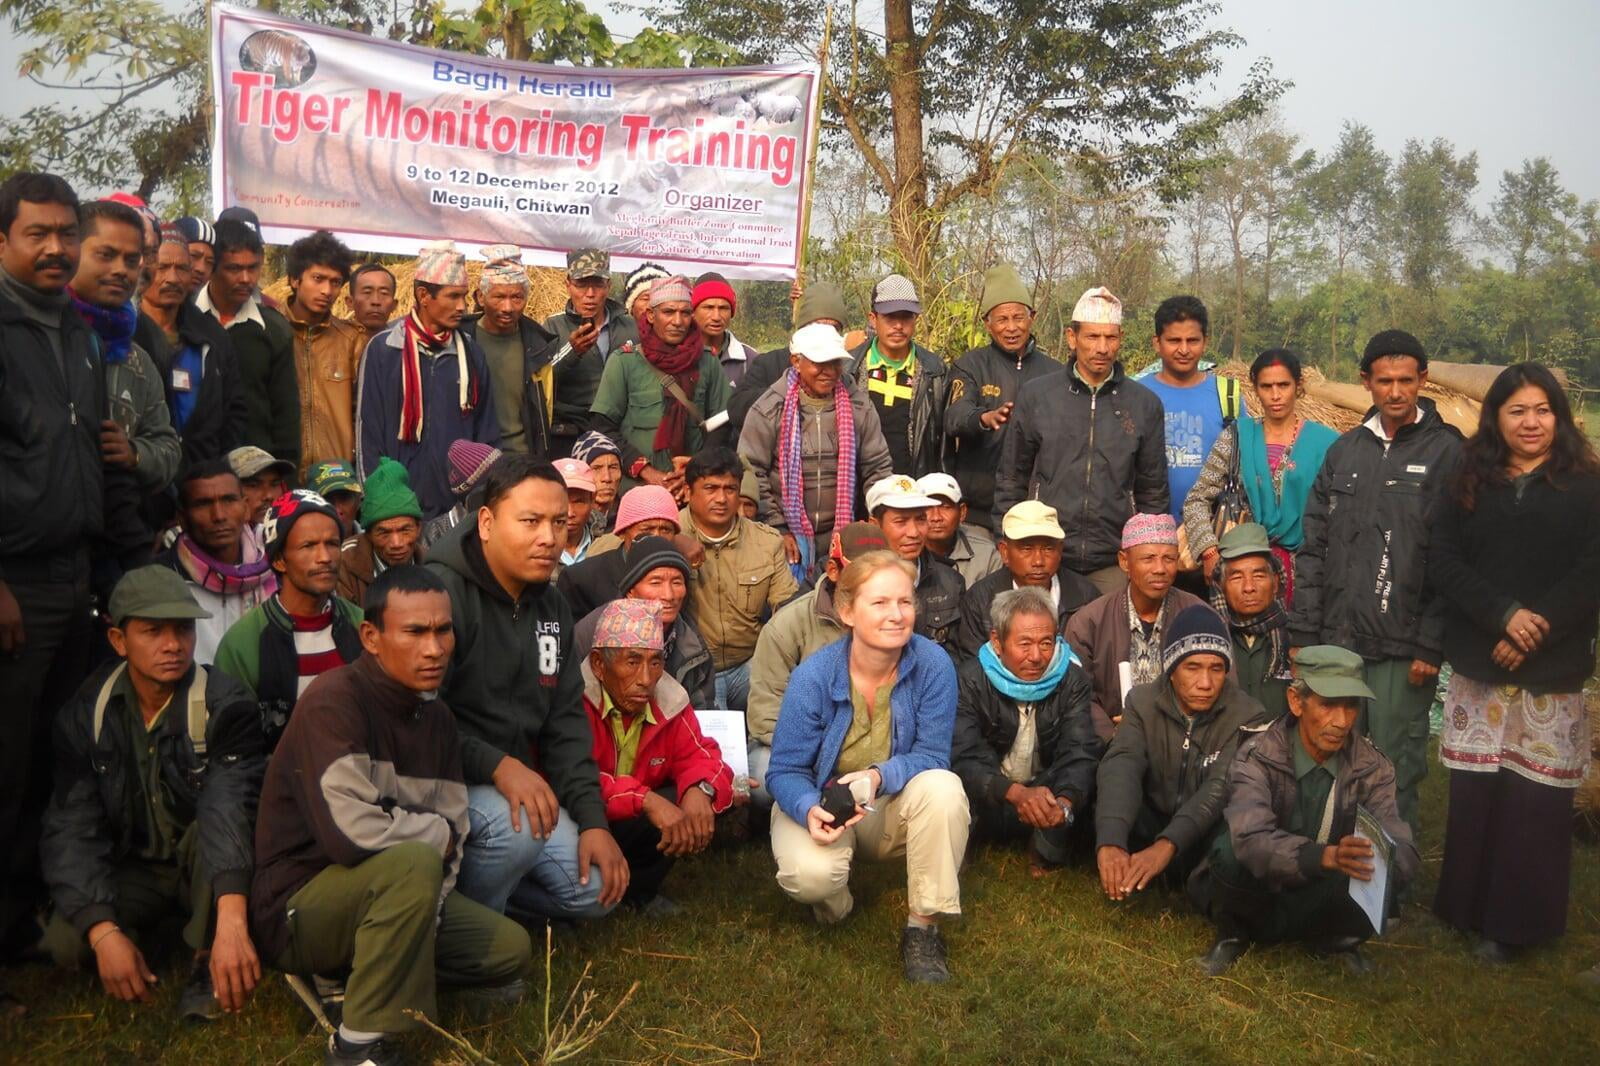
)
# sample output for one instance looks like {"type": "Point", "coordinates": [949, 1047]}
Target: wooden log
{"type": "Point", "coordinates": [1474, 379]}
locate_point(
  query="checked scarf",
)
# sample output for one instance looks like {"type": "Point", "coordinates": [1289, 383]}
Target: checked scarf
{"type": "Point", "coordinates": [113, 325]}
{"type": "Point", "coordinates": [681, 362]}
{"type": "Point", "coordinates": [417, 337]}
{"type": "Point", "coordinates": [253, 576]}
{"type": "Point", "coordinates": [1273, 623]}
{"type": "Point", "coordinates": [789, 462]}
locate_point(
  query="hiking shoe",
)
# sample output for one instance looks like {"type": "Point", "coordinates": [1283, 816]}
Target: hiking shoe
{"type": "Point", "coordinates": [922, 952]}
{"type": "Point", "coordinates": [1223, 954]}
{"type": "Point", "coordinates": [198, 1001]}
{"type": "Point", "coordinates": [377, 1053]}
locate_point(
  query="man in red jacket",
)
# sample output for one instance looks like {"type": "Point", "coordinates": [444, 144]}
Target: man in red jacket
{"type": "Point", "coordinates": [662, 780]}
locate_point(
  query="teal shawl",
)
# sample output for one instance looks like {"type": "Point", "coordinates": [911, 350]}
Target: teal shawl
{"type": "Point", "coordinates": [1281, 513]}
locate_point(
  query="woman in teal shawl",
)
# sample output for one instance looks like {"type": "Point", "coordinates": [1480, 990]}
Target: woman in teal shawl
{"type": "Point", "coordinates": [1278, 457]}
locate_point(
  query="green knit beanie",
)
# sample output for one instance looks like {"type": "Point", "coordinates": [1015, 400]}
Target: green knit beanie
{"type": "Point", "coordinates": [821, 300]}
{"type": "Point", "coordinates": [388, 495]}
{"type": "Point", "coordinates": [1003, 285]}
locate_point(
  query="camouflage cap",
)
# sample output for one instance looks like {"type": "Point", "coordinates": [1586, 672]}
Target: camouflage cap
{"type": "Point", "coordinates": [588, 263]}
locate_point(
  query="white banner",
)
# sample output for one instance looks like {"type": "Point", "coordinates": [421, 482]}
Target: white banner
{"type": "Point", "coordinates": [391, 145]}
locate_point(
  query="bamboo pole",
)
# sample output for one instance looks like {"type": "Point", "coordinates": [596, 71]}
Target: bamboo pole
{"type": "Point", "coordinates": [811, 160]}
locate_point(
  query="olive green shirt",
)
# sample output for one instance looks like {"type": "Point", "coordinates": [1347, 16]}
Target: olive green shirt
{"type": "Point", "coordinates": [1250, 663]}
{"type": "Point", "coordinates": [1314, 785]}
{"type": "Point", "coordinates": [625, 731]}
{"type": "Point", "coordinates": [157, 830]}
{"type": "Point", "coordinates": [866, 743]}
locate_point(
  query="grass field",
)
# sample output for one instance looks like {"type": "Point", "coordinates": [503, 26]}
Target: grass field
{"type": "Point", "coordinates": [1046, 972]}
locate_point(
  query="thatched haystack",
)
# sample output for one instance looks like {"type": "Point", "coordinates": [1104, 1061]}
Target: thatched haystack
{"type": "Point", "coordinates": [1340, 406]}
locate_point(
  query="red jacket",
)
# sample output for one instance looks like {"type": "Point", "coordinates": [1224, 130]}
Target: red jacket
{"type": "Point", "coordinates": [673, 749]}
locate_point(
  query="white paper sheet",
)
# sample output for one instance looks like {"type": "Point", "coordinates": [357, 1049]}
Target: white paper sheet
{"type": "Point", "coordinates": [1372, 896]}
{"type": "Point", "coordinates": [727, 729]}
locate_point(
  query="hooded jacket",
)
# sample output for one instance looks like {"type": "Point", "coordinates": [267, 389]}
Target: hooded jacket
{"type": "Point", "coordinates": [217, 424]}
{"type": "Point", "coordinates": [672, 749]}
{"type": "Point", "coordinates": [1097, 456]}
{"type": "Point", "coordinates": [1360, 576]}
{"type": "Point", "coordinates": [87, 827]}
{"type": "Point", "coordinates": [981, 381]}
{"type": "Point", "coordinates": [577, 377]}
{"type": "Point", "coordinates": [1173, 763]}
{"type": "Point", "coordinates": [427, 461]}
{"type": "Point", "coordinates": [986, 728]}
{"type": "Point", "coordinates": [514, 683]}
{"type": "Point", "coordinates": [1261, 796]}
{"type": "Point", "coordinates": [922, 452]}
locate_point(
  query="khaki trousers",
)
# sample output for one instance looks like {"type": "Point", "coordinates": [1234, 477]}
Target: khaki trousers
{"type": "Point", "coordinates": [926, 822]}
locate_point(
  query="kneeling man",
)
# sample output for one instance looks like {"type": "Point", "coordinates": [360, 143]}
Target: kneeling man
{"type": "Point", "coordinates": [1282, 870]}
{"type": "Point", "coordinates": [1163, 781]}
{"type": "Point", "coordinates": [1025, 745]}
{"type": "Point", "coordinates": [363, 816]}
{"type": "Point", "coordinates": [663, 781]}
{"type": "Point", "coordinates": [157, 766]}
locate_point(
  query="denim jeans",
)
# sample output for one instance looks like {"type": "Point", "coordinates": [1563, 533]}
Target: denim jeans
{"type": "Point", "coordinates": [517, 873]}
{"type": "Point", "coordinates": [733, 687]}
{"type": "Point", "coordinates": [760, 757]}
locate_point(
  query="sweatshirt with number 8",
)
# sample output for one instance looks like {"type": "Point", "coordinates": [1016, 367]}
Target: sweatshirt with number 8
{"type": "Point", "coordinates": [514, 681]}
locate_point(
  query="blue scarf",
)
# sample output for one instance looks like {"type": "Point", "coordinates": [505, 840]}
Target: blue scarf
{"type": "Point", "coordinates": [113, 325]}
{"type": "Point", "coordinates": [1281, 513]}
{"type": "Point", "coordinates": [1027, 691]}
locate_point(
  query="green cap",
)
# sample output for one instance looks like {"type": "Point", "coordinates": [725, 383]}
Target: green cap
{"type": "Point", "coordinates": [388, 495]}
{"type": "Point", "coordinates": [1003, 285]}
{"type": "Point", "coordinates": [333, 477]}
{"type": "Point", "coordinates": [588, 263]}
{"type": "Point", "coordinates": [156, 593]}
{"type": "Point", "coordinates": [1332, 672]}
{"type": "Point", "coordinates": [1247, 538]}
{"type": "Point", "coordinates": [821, 300]}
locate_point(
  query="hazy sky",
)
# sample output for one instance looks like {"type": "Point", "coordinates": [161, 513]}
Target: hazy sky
{"type": "Point", "coordinates": [1509, 80]}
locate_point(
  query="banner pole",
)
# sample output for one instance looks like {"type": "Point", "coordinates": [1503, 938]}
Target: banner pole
{"type": "Point", "coordinates": [811, 161]}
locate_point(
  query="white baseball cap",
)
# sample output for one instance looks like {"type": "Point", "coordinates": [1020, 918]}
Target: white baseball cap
{"type": "Point", "coordinates": [940, 484]}
{"type": "Point", "coordinates": [820, 343]}
{"type": "Point", "coordinates": [899, 492]}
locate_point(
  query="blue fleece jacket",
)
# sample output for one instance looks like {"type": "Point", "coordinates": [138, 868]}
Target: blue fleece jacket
{"type": "Point", "coordinates": [816, 715]}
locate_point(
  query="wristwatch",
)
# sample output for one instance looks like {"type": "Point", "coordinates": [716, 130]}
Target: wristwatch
{"type": "Point", "coordinates": [707, 788]}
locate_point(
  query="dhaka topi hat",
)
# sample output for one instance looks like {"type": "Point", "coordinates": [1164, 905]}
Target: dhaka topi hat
{"type": "Point", "coordinates": [1097, 307]}
{"type": "Point", "coordinates": [629, 623]}
{"type": "Point", "coordinates": [440, 263]}
{"type": "Point", "coordinates": [1149, 529]}
{"type": "Point", "coordinates": [672, 290]}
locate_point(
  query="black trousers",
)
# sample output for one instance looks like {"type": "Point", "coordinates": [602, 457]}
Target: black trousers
{"type": "Point", "coordinates": [1507, 857]}
{"type": "Point", "coordinates": [34, 684]}
{"type": "Point", "coordinates": [647, 867]}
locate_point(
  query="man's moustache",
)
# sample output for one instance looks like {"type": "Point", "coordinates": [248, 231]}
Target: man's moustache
{"type": "Point", "coordinates": [47, 262]}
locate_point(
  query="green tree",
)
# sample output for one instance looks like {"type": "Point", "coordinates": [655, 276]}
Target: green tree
{"type": "Point", "coordinates": [1433, 210]}
{"type": "Point", "coordinates": [1531, 220]}
{"type": "Point", "coordinates": [1350, 198]}
{"type": "Point", "coordinates": [941, 103]}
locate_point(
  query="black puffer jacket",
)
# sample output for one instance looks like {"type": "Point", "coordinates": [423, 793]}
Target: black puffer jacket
{"type": "Point", "coordinates": [1096, 456]}
{"type": "Point", "coordinates": [1173, 763]}
{"type": "Point", "coordinates": [87, 828]}
{"type": "Point", "coordinates": [986, 727]}
{"type": "Point", "coordinates": [981, 381]}
{"type": "Point", "coordinates": [923, 450]}
{"type": "Point", "coordinates": [1360, 576]}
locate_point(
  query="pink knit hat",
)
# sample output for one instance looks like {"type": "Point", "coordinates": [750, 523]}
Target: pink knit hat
{"type": "Point", "coordinates": [670, 290]}
{"type": "Point", "coordinates": [468, 461]}
{"type": "Point", "coordinates": [1150, 529]}
{"type": "Point", "coordinates": [644, 502]}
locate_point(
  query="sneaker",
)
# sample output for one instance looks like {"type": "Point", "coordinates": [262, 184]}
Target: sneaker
{"type": "Point", "coordinates": [922, 952]}
{"type": "Point", "coordinates": [198, 1001]}
{"type": "Point", "coordinates": [659, 907]}
{"type": "Point", "coordinates": [377, 1053]}
{"type": "Point", "coordinates": [1223, 954]}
